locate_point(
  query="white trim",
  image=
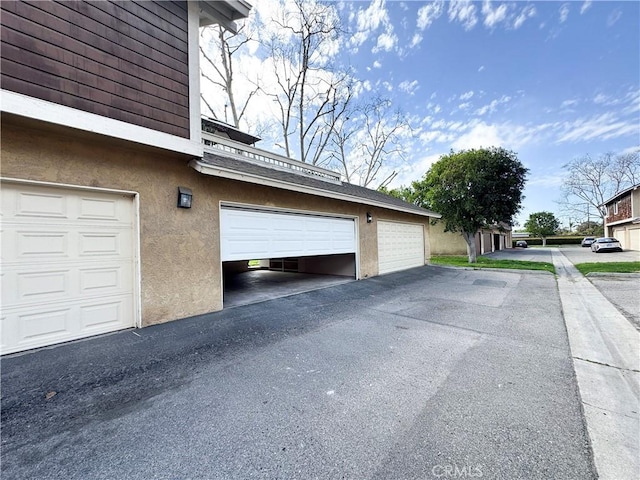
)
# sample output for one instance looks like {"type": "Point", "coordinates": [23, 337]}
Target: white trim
{"type": "Point", "coordinates": [247, 177]}
{"type": "Point", "coordinates": [195, 125]}
{"type": "Point", "coordinates": [295, 211]}
{"type": "Point", "coordinates": [137, 289]}
{"type": "Point", "coordinates": [618, 222]}
{"type": "Point", "coordinates": [37, 109]}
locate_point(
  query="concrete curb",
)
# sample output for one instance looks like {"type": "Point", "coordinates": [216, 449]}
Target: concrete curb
{"type": "Point", "coordinates": [613, 274]}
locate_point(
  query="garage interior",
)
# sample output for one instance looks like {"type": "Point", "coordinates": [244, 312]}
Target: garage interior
{"type": "Point", "coordinates": [247, 282]}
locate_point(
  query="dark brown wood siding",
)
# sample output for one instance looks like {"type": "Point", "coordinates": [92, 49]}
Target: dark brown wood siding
{"type": "Point", "coordinates": [124, 60]}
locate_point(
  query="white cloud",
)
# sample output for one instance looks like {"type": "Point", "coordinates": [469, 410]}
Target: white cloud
{"type": "Point", "coordinates": [527, 12]}
{"type": "Point", "coordinates": [466, 96]}
{"type": "Point", "coordinates": [634, 149]}
{"type": "Point", "coordinates": [386, 42]}
{"type": "Point", "coordinates": [491, 107]}
{"type": "Point", "coordinates": [377, 64]}
{"type": "Point", "coordinates": [415, 40]}
{"type": "Point", "coordinates": [600, 99]}
{"type": "Point", "coordinates": [614, 17]}
{"type": "Point", "coordinates": [601, 127]}
{"type": "Point", "coordinates": [493, 17]}
{"type": "Point", "coordinates": [569, 103]}
{"type": "Point", "coordinates": [463, 11]}
{"type": "Point", "coordinates": [481, 68]}
{"type": "Point", "coordinates": [480, 135]}
{"type": "Point", "coordinates": [564, 12]}
{"type": "Point", "coordinates": [409, 87]}
{"type": "Point", "coordinates": [464, 106]}
{"type": "Point", "coordinates": [415, 171]}
{"type": "Point", "coordinates": [550, 180]}
{"type": "Point", "coordinates": [428, 13]}
{"type": "Point", "coordinates": [585, 6]}
{"type": "Point", "coordinates": [368, 20]}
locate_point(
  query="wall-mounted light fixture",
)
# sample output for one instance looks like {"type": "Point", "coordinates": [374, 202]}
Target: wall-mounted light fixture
{"type": "Point", "coordinates": [185, 197]}
{"type": "Point", "coordinates": [369, 218]}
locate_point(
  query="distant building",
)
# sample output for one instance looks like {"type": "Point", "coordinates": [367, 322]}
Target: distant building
{"type": "Point", "coordinates": [623, 217]}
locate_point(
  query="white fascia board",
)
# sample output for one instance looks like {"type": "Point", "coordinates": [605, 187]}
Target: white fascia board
{"type": "Point", "coordinates": [34, 108]}
{"type": "Point", "coordinates": [207, 169]}
{"type": "Point", "coordinates": [619, 222]}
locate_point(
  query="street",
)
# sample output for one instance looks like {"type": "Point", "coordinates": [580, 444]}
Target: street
{"type": "Point", "coordinates": [429, 373]}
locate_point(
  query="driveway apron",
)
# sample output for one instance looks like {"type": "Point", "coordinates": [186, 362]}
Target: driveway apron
{"type": "Point", "coordinates": [605, 349]}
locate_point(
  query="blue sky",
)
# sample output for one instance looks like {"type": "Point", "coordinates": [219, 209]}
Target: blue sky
{"type": "Point", "coordinates": [551, 81]}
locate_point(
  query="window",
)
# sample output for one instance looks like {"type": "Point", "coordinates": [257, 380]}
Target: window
{"type": "Point", "coordinates": [615, 208]}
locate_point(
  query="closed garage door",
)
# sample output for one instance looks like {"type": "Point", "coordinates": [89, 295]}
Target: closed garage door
{"type": "Point", "coordinates": [634, 239]}
{"type": "Point", "coordinates": [67, 265]}
{"type": "Point", "coordinates": [620, 235]}
{"type": "Point", "coordinates": [400, 246]}
{"type": "Point", "coordinates": [247, 234]}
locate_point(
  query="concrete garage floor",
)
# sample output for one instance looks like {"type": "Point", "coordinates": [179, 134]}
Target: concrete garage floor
{"type": "Point", "coordinates": [260, 285]}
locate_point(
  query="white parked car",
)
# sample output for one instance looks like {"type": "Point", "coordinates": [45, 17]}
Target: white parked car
{"type": "Point", "coordinates": [606, 244]}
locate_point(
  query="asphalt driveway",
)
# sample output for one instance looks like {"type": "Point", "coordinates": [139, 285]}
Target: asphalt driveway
{"type": "Point", "coordinates": [428, 373]}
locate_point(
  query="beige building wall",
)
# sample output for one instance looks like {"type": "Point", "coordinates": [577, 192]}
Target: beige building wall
{"type": "Point", "coordinates": [179, 248]}
{"type": "Point", "coordinates": [445, 243]}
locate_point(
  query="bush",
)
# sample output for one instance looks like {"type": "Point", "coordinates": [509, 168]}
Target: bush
{"type": "Point", "coordinates": [550, 241]}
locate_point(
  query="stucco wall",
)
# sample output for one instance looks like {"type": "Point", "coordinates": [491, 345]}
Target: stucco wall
{"type": "Point", "coordinates": [179, 248]}
{"type": "Point", "coordinates": [177, 261]}
{"type": "Point", "coordinates": [446, 243]}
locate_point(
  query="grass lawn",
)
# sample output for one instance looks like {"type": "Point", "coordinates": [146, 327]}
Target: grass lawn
{"type": "Point", "coordinates": [609, 267]}
{"type": "Point", "coordinates": [483, 262]}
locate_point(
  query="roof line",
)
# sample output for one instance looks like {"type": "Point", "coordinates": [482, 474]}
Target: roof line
{"type": "Point", "coordinates": [620, 193]}
{"type": "Point", "coordinates": [222, 172]}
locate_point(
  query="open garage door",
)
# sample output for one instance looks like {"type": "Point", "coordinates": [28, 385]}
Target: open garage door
{"type": "Point", "coordinates": [400, 246]}
{"type": "Point", "coordinates": [247, 234]}
{"type": "Point", "coordinates": [291, 252]}
{"type": "Point", "coordinates": [68, 264]}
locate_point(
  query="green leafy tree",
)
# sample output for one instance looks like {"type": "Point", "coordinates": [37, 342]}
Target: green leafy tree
{"type": "Point", "coordinates": [543, 225]}
{"type": "Point", "coordinates": [590, 228]}
{"type": "Point", "coordinates": [403, 193]}
{"type": "Point", "coordinates": [472, 189]}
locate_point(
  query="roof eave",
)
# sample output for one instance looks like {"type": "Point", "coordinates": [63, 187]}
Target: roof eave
{"type": "Point", "coordinates": [620, 194]}
{"type": "Point", "coordinates": [222, 172]}
{"type": "Point", "coordinates": [223, 12]}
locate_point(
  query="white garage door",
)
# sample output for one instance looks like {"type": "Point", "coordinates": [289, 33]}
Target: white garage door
{"type": "Point", "coordinates": [634, 239]}
{"type": "Point", "coordinates": [247, 234]}
{"type": "Point", "coordinates": [400, 246]}
{"type": "Point", "coordinates": [620, 235]}
{"type": "Point", "coordinates": [67, 265]}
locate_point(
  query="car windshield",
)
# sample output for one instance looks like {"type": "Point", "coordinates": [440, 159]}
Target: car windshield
{"type": "Point", "coordinates": [589, 238]}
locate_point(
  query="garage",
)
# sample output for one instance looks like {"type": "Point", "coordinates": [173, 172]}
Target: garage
{"type": "Point", "coordinates": [634, 239]}
{"type": "Point", "coordinates": [267, 253]}
{"type": "Point", "coordinates": [400, 246]}
{"type": "Point", "coordinates": [620, 235]}
{"type": "Point", "coordinates": [68, 258]}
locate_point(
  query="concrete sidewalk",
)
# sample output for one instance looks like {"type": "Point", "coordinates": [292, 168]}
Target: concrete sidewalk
{"type": "Point", "coordinates": [605, 350]}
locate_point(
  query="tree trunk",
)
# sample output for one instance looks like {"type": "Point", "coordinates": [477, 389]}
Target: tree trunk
{"type": "Point", "coordinates": [470, 238]}
{"type": "Point", "coordinates": [544, 241]}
